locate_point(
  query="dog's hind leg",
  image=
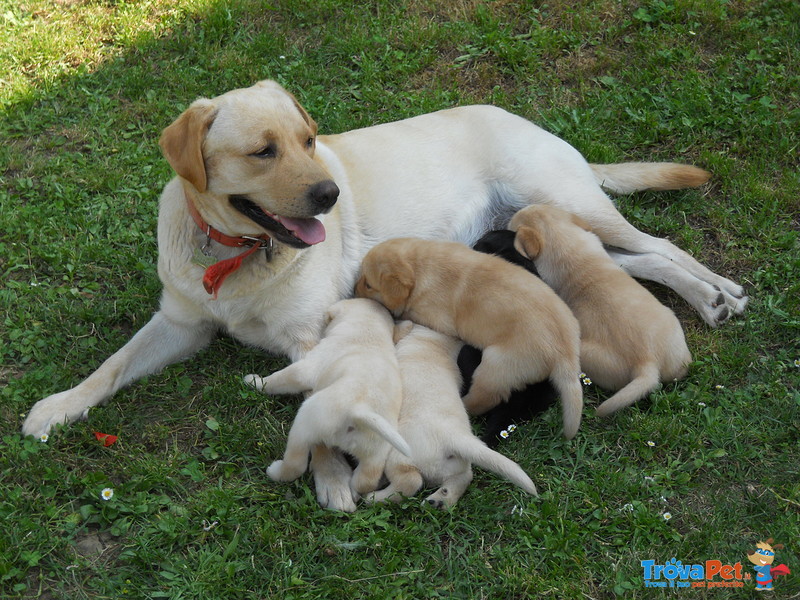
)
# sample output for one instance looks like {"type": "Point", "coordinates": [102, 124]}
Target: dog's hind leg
{"type": "Point", "coordinates": [578, 192]}
{"type": "Point", "coordinates": [614, 230]}
{"type": "Point", "coordinates": [707, 299]}
{"type": "Point", "coordinates": [405, 480]}
{"type": "Point", "coordinates": [162, 341]}
{"type": "Point", "coordinates": [492, 381]}
{"type": "Point", "coordinates": [452, 488]}
{"type": "Point", "coordinates": [367, 475]}
{"type": "Point", "coordinates": [332, 476]}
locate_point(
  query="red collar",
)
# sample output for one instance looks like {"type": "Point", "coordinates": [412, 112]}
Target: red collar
{"type": "Point", "coordinates": [215, 275]}
{"type": "Point", "coordinates": [222, 238]}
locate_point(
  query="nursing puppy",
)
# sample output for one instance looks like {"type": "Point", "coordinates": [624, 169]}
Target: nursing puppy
{"type": "Point", "coordinates": [526, 332]}
{"type": "Point", "coordinates": [522, 405]}
{"type": "Point", "coordinates": [629, 341]}
{"type": "Point", "coordinates": [435, 424]}
{"type": "Point", "coordinates": [356, 398]}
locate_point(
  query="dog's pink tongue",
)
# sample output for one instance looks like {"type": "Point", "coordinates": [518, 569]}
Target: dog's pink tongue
{"type": "Point", "coordinates": [311, 231]}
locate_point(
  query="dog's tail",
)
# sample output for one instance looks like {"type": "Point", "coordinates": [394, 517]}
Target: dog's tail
{"type": "Point", "coordinates": [377, 423]}
{"type": "Point", "coordinates": [626, 178]}
{"type": "Point", "coordinates": [566, 380]}
{"type": "Point", "coordinates": [475, 451]}
{"type": "Point", "coordinates": [646, 379]}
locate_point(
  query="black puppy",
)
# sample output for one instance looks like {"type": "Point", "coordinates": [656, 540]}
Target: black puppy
{"type": "Point", "coordinates": [523, 404]}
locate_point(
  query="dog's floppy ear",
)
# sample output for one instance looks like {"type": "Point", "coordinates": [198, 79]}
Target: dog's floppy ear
{"type": "Point", "coordinates": [396, 284]}
{"type": "Point", "coordinates": [303, 113]}
{"type": "Point", "coordinates": [580, 222]}
{"type": "Point", "coordinates": [182, 142]}
{"type": "Point", "coordinates": [528, 242]}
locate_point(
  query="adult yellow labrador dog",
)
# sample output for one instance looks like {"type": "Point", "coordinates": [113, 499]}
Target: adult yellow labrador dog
{"type": "Point", "coordinates": [288, 215]}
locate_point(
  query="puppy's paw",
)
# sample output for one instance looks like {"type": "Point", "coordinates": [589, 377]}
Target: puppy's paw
{"type": "Point", "coordinates": [275, 471]}
{"type": "Point", "coordinates": [441, 499]}
{"type": "Point", "coordinates": [337, 497]}
{"type": "Point", "coordinates": [332, 477]}
{"type": "Point", "coordinates": [254, 381]}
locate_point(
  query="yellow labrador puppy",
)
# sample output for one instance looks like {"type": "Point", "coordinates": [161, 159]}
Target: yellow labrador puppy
{"type": "Point", "coordinates": [525, 330]}
{"type": "Point", "coordinates": [629, 341]}
{"type": "Point", "coordinates": [353, 374]}
{"type": "Point", "coordinates": [435, 424]}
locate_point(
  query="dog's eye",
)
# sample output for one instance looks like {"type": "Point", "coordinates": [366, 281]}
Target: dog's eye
{"type": "Point", "coordinates": [267, 151]}
{"type": "Point", "coordinates": [309, 142]}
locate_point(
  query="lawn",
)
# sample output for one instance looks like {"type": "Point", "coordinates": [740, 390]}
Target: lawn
{"type": "Point", "coordinates": [700, 472]}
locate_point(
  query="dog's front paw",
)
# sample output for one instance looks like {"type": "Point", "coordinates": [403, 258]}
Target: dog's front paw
{"type": "Point", "coordinates": [275, 471]}
{"type": "Point", "coordinates": [58, 409]}
{"type": "Point", "coordinates": [254, 381]}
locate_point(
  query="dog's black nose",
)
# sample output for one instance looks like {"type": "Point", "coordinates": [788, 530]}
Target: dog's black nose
{"type": "Point", "coordinates": [323, 194]}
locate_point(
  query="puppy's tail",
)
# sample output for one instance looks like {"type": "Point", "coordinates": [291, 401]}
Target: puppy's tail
{"type": "Point", "coordinates": [647, 378]}
{"type": "Point", "coordinates": [372, 420]}
{"type": "Point", "coordinates": [565, 379]}
{"type": "Point", "coordinates": [626, 178]}
{"type": "Point", "coordinates": [475, 451]}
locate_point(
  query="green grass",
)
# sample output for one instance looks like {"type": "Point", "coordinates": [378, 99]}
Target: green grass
{"type": "Point", "coordinates": [87, 88]}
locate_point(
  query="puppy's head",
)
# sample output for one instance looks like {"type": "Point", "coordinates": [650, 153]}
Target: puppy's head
{"type": "Point", "coordinates": [387, 276]}
{"type": "Point", "coordinates": [247, 160]}
{"type": "Point", "coordinates": [533, 224]}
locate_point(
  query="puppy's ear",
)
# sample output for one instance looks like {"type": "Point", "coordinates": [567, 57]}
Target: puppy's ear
{"type": "Point", "coordinates": [182, 142]}
{"type": "Point", "coordinates": [580, 222]}
{"type": "Point", "coordinates": [396, 284]}
{"type": "Point", "coordinates": [528, 242]}
{"type": "Point", "coordinates": [402, 329]}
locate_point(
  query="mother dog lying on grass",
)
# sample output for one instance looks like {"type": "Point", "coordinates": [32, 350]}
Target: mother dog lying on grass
{"type": "Point", "coordinates": [289, 216]}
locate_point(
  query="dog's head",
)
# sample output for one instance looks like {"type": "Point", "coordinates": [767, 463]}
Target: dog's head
{"type": "Point", "coordinates": [247, 160]}
{"type": "Point", "coordinates": [533, 224]}
{"type": "Point", "coordinates": [387, 276]}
